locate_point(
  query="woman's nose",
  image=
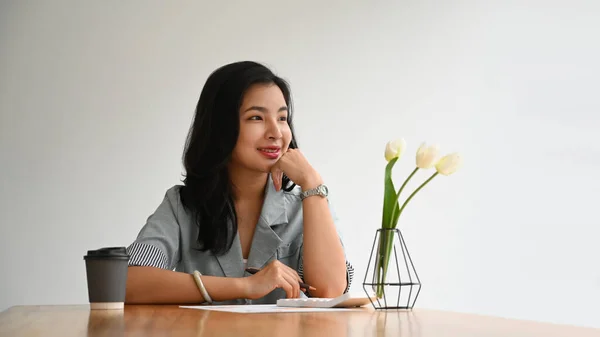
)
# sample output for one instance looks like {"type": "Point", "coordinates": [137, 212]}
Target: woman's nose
{"type": "Point", "coordinates": [273, 131]}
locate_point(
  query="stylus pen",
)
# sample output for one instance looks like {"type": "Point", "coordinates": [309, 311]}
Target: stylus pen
{"type": "Point", "coordinates": [302, 285]}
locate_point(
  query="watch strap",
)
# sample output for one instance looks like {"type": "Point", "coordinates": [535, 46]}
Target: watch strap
{"type": "Point", "coordinates": [320, 190]}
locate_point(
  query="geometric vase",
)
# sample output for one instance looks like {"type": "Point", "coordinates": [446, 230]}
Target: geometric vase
{"type": "Point", "coordinates": [391, 274]}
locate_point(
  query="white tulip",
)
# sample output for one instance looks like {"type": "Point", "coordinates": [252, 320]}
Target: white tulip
{"type": "Point", "coordinates": [449, 164]}
{"type": "Point", "coordinates": [427, 156]}
{"type": "Point", "coordinates": [395, 149]}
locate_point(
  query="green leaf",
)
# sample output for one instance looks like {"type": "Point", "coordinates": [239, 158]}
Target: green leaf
{"type": "Point", "coordinates": [390, 202]}
{"type": "Point", "coordinates": [389, 196]}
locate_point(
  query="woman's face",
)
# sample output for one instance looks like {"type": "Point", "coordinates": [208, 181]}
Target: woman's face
{"type": "Point", "coordinates": [264, 132]}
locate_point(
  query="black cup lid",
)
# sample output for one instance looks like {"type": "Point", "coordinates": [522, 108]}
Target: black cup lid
{"type": "Point", "coordinates": [107, 253]}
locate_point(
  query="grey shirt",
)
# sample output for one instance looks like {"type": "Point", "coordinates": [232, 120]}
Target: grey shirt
{"type": "Point", "coordinates": [168, 240]}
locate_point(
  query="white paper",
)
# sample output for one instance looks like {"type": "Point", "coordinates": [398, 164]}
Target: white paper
{"type": "Point", "coordinates": [263, 308]}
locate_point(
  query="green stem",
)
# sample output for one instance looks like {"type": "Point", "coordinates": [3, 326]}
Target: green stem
{"type": "Point", "coordinates": [415, 192]}
{"type": "Point", "coordinates": [392, 222]}
{"type": "Point", "coordinates": [387, 239]}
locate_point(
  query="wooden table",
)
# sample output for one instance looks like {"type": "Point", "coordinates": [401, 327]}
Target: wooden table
{"type": "Point", "coordinates": [155, 320]}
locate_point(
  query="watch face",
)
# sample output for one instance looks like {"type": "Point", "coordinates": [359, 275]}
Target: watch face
{"type": "Point", "coordinates": [323, 190]}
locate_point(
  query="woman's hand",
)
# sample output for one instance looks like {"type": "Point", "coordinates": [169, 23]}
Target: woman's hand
{"type": "Point", "coordinates": [274, 275]}
{"type": "Point", "coordinates": [297, 168]}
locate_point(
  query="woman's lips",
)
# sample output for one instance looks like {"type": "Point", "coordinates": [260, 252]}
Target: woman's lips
{"type": "Point", "coordinates": [270, 152]}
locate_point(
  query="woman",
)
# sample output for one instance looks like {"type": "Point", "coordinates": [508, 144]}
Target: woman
{"type": "Point", "coordinates": [250, 199]}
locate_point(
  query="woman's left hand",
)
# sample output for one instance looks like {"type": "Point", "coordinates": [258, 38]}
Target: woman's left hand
{"type": "Point", "coordinates": [297, 168]}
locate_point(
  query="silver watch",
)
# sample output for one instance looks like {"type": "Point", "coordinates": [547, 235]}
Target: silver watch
{"type": "Point", "coordinates": [320, 190]}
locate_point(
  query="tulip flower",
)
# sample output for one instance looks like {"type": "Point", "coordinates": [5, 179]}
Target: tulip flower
{"type": "Point", "coordinates": [427, 156]}
{"type": "Point", "coordinates": [449, 164]}
{"type": "Point", "coordinates": [395, 149]}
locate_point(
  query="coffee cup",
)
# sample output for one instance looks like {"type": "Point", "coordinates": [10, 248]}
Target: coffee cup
{"type": "Point", "coordinates": [106, 270]}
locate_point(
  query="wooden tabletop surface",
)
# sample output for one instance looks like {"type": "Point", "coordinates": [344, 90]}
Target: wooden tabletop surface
{"type": "Point", "coordinates": [155, 320]}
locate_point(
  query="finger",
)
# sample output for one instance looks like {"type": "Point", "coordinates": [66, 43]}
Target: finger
{"type": "Point", "coordinates": [280, 179]}
{"type": "Point", "coordinates": [274, 170]}
{"type": "Point", "coordinates": [289, 276]}
{"type": "Point", "coordinates": [281, 278]}
{"type": "Point", "coordinates": [300, 280]}
{"type": "Point", "coordinates": [286, 286]}
{"type": "Point", "coordinates": [277, 178]}
{"type": "Point", "coordinates": [294, 273]}
{"type": "Point", "coordinates": [288, 283]}
{"type": "Point", "coordinates": [298, 276]}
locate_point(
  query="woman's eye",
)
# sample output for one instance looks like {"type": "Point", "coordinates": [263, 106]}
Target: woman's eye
{"type": "Point", "coordinates": [283, 118]}
{"type": "Point", "coordinates": [255, 118]}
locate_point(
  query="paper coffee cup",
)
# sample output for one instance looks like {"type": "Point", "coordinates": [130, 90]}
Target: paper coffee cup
{"type": "Point", "coordinates": [106, 270]}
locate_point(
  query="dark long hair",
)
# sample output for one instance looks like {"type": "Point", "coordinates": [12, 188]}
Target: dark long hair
{"type": "Point", "coordinates": [207, 191]}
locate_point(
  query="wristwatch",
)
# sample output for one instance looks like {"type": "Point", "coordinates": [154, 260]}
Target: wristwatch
{"type": "Point", "coordinates": [320, 190]}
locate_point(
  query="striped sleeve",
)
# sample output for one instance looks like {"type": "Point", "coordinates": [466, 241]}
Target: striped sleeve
{"type": "Point", "coordinates": [141, 254]}
{"type": "Point", "coordinates": [157, 243]}
{"type": "Point", "coordinates": [349, 273]}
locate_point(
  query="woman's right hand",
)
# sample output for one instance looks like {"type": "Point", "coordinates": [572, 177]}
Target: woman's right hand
{"type": "Point", "coordinates": [274, 275]}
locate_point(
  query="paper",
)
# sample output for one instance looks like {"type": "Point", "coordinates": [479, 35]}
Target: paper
{"type": "Point", "coordinates": [263, 308]}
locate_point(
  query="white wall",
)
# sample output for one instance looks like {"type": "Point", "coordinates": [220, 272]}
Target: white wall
{"type": "Point", "coordinates": [96, 99]}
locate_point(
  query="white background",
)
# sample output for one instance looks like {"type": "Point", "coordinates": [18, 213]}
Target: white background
{"type": "Point", "coordinates": [96, 99]}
